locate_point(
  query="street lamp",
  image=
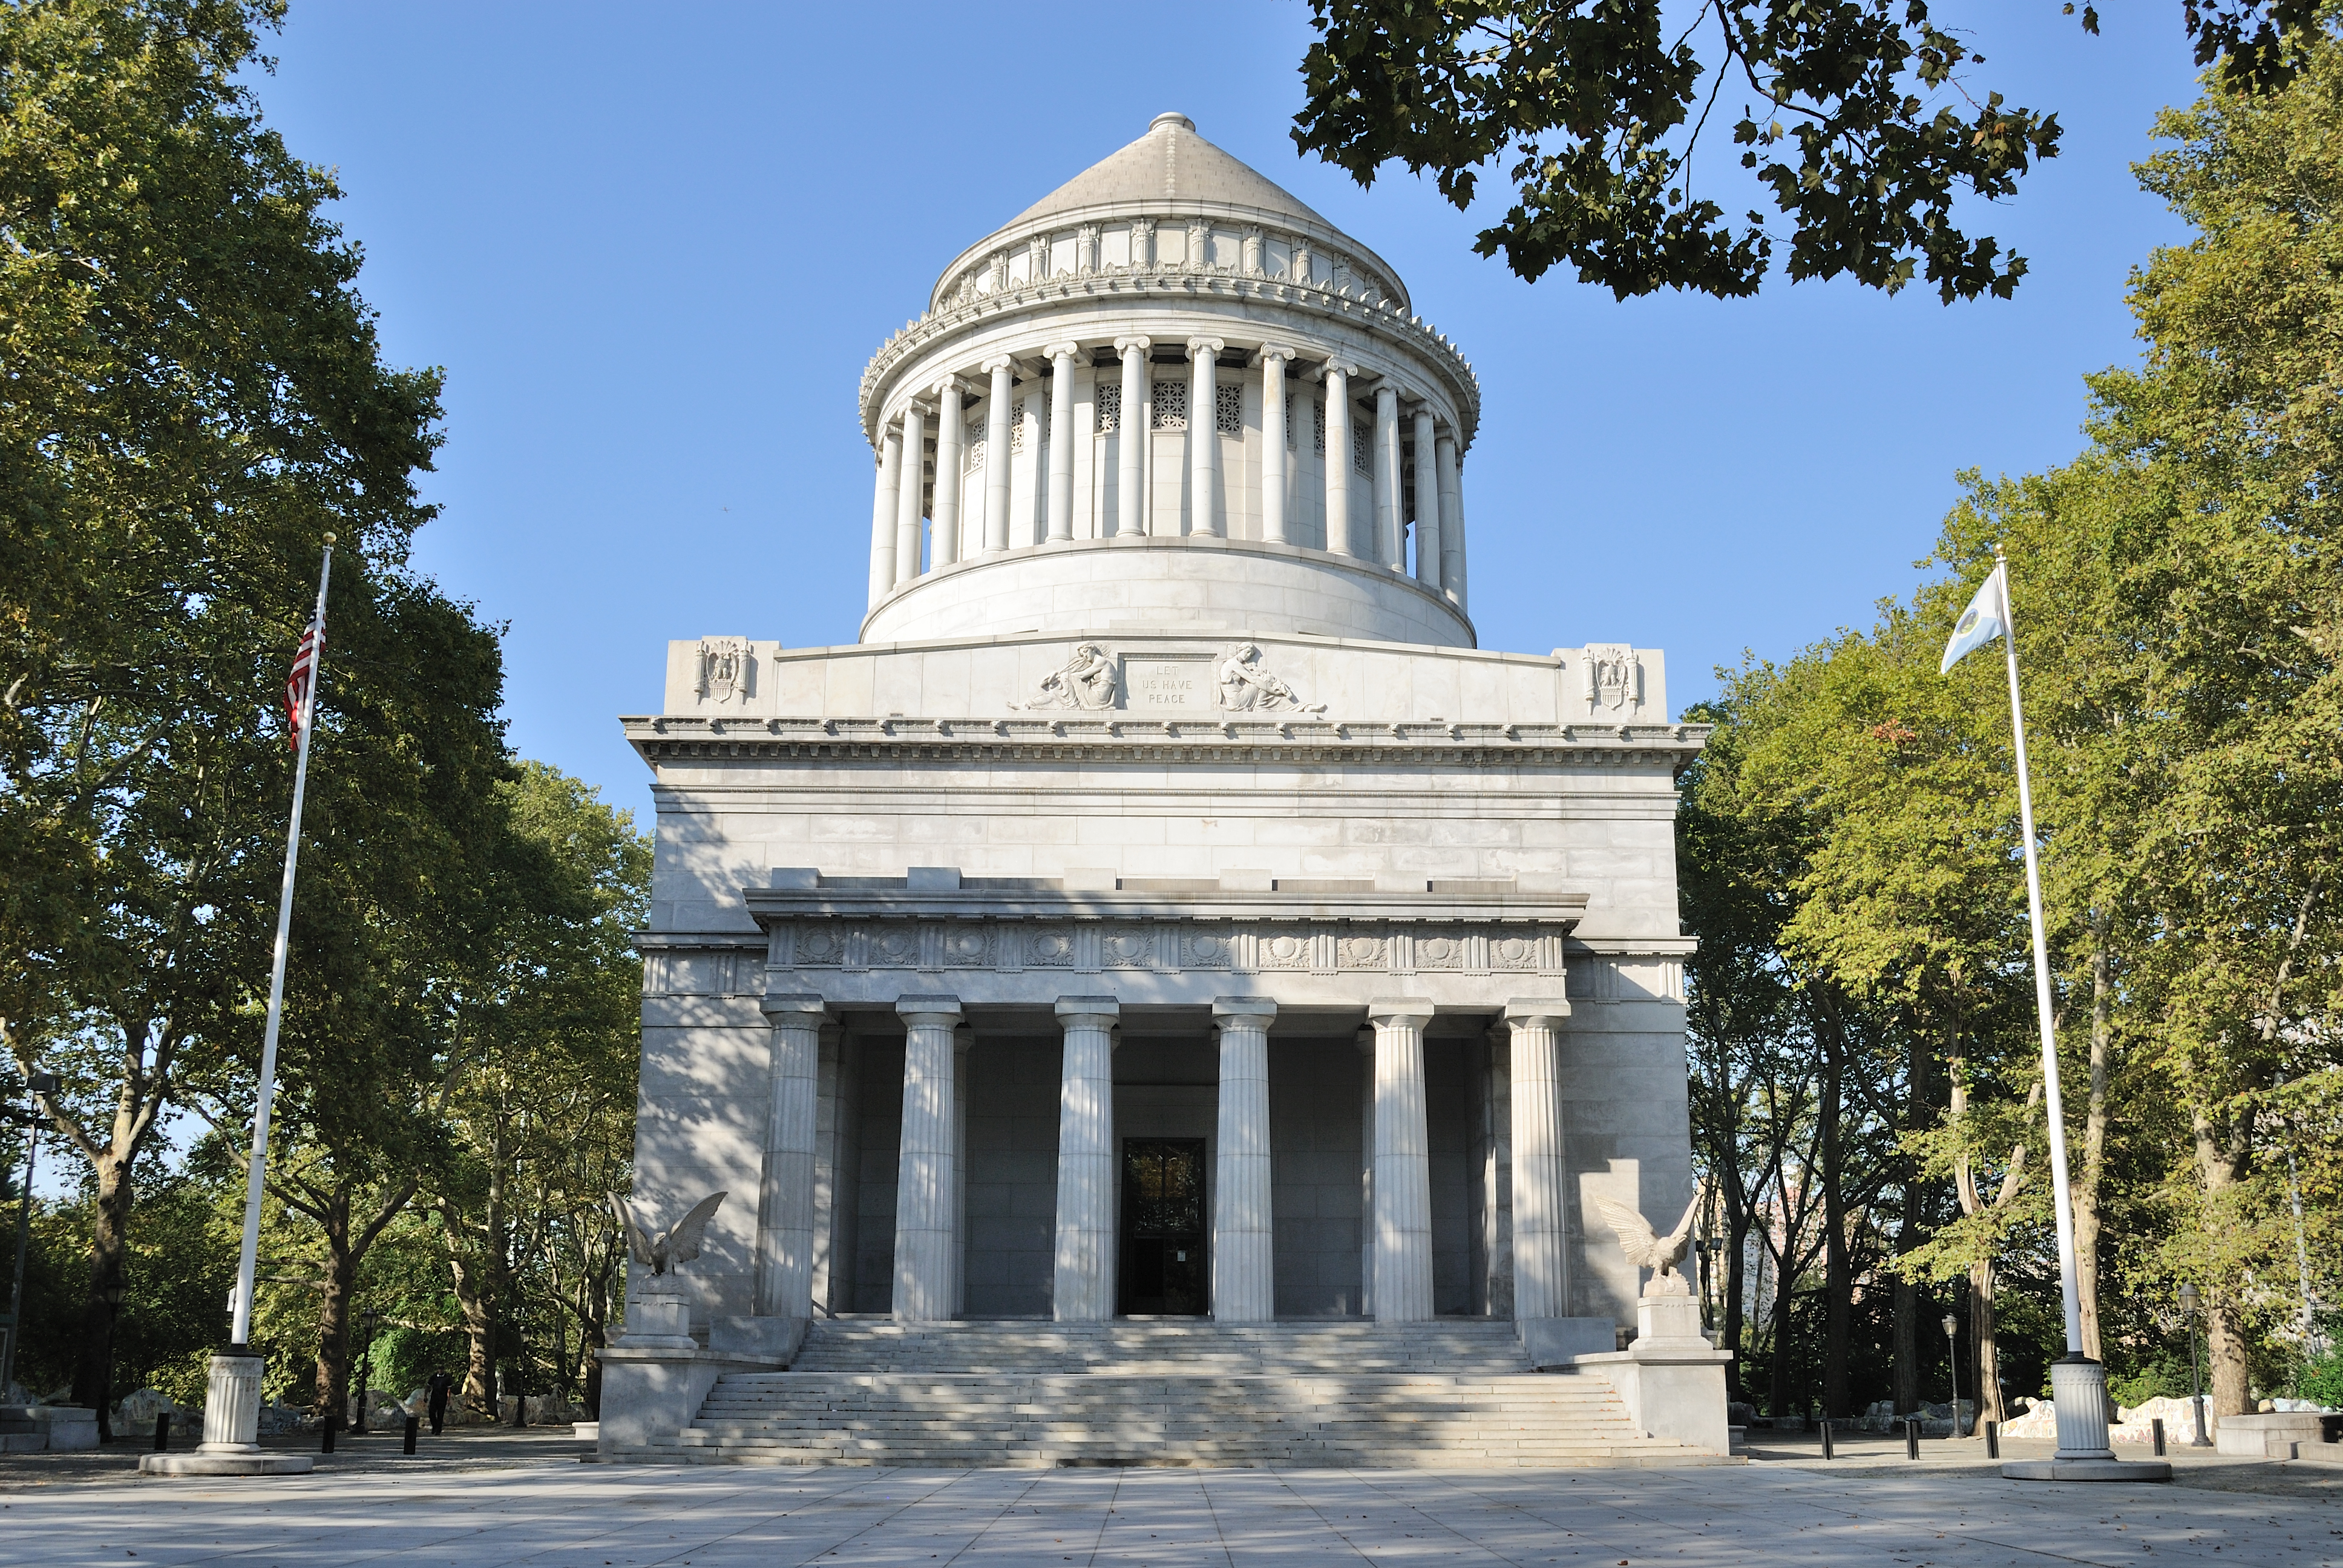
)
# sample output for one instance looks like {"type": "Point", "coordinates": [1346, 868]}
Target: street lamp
{"type": "Point", "coordinates": [1953, 1360]}
{"type": "Point", "coordinates": [2189, 1305]}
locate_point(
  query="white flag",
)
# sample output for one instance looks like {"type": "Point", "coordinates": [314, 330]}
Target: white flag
{"type": "Point", "coordinates": [1985, 619]}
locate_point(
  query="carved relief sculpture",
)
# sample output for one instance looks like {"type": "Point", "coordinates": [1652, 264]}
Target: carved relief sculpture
{"type": "Point", "coordinates": [1611, 676]}
{"type": "Point", "coordinates": [1087, 680]}
{"type": "Point", "coordinates": [1242, 685]}
{"type": "Point", "coordinates": [723, 669]}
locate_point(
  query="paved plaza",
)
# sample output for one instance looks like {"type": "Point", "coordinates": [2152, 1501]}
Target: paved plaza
{"type": "Point", "coordinates": [494, 1503]}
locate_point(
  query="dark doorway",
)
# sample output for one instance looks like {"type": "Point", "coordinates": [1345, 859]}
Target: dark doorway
{"type": "Point", "coordinates": [1163, 1226]}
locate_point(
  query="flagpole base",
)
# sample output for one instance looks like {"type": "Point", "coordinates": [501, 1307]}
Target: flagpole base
{"type": "Point", "coordinates": [202, 1463]}
{"type": "Point", "coordinates": [2087, 1470]}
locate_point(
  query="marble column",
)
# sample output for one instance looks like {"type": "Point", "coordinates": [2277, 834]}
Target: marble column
{"type": "Point", "coordinates": [963, 1040]}
{"type": "Point", "coordinates": [885, 501]}
{"type": "Point", "coordinates": [1338, 456]}
{"type": "Point", "coordinates": [1204, 439]}
{"type": "Point", "coordinates": [1083, 1290]}
{"type": "Point", "coordinates": [1131, 439]}
{"type": "Point", "coordinates": [910, 501]}
{"type": "Point", "coordinates": [1391, 547]}
{"type": "Point", "coordinates": [1452, 523]}
{"type": "Point", "coordinates": [784, 1267]}
{"type": "Point", "coordinates": [1427, 499]}
{"type": "Point", "coordinates": [1244, 1275]}
{"type": "Point", "coordinates": [996, 455]}
{"type": "Point", "coordinates": [1062, 439]}
{"type": "Point", "coordinates": [1541, 1261]}
{"type": "Point", "coordinates": [1366, 1042]}
{"type": "Point", "coordinates": [1403, 1212]}
{"type": "Point", "coordinates": [1274, 469]}
{"type": "Point", "coordinates": [944, 513]}
{"type": "Point", "coordinates": [925, 1238]}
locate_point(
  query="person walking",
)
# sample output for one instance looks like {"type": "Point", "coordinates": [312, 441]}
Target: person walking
{"type": "Point", "coordinates": [438, 1405]}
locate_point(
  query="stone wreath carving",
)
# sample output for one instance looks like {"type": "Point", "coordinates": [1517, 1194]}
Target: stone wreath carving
{"type": "Point", "coordinates": [1241, 684]}
{"type": "Point", "coordinates": [1087, 680]}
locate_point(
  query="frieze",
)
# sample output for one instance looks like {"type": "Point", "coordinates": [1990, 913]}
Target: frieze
{"type": "Point", "coordinates": [1172, 944]}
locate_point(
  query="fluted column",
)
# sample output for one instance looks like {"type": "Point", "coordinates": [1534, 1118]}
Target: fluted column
{"type": "Point", "coordinates": [1366, 1042]}
{"type": "Point", "coordinates": [1084, 1288]}
{"type": "Point", "coordinates": [925, 1238]}
{"type": "Point", "coordinates": [944, 520]}
{"type": "Point", "coordinates": [1130, 445]}
{"type": "Point", "coordinates": [785, 1194]}
{"type": "Point", "coordinates": [996, 456]}
{"type": "Point", "coordinates": [1452, 523]}
{"type": "Point", "coordinates": [1402, 1212]}
{"type": "Point", "coordinates": [884, 502]}
{"type": "Point", "coordinates": [1204, 439]}
{"type": "Point", "coordinates": [1062, 439]}
{"type": "Point", "coordinates": [1427, 500]}
{"type": "Point", "coordinates": [1244, 1277]}
{"type": "Point", "coordinates": [1540, 1261]}
{"type": "Point", "coordinates": [909, 499]}
{"type": "Point", "coordinates": [963, 1038]}
{"type": "Point", "coordinates": [1338, 456]}
{"type": "Point", "coordinates": [1273, 469]}
{"type": "Point", "coordinates": [1390, 544]}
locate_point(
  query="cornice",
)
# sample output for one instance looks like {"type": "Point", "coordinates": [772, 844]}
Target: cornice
{"type": "Point", "coordinates": [1177, 282]}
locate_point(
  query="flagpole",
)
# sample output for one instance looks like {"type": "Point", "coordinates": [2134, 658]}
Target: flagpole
{"type": "Point", "coordinates": [248, 1260]}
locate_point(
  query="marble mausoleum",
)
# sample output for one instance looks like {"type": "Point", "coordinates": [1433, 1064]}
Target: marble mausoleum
{"type": "Point", "coordinates": [1166, 949]}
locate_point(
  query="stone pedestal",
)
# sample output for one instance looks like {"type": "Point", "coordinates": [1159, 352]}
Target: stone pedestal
{"type": "Point", "coordinates": [1672, 1380]}
{"type": "Point", "coordinates": [659, 1317]}
{"type": "Point", "coordinates": [232, 1420]}
{"type": "Point", "coordinates": [46, 1428]}
{"type": "Point", "coordinates": [2079, 1393]}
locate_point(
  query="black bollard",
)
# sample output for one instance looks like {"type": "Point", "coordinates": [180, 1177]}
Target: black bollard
{"type": "Point", "coordinates": [1993, 1440]}
{"type": "Point", "coordinates": [1827, 1452]}
{"type": "Point", "coordinates": [1912, 1439]}
{"type": "Point", "coordinates": [407, 1444]}
{"type": "Point", "coordinates": [2157, 1427]}
{"type": "Point", "coordinates": [326, 1443]}
{"type": "Point", "coordinates": [162, 1431]}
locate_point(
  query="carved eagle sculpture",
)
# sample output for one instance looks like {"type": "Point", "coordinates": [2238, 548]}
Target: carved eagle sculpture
{"type": "Point", "coordinates": [678, 1243]}
{"type": "Point", "coordinates": [1660, 1254]}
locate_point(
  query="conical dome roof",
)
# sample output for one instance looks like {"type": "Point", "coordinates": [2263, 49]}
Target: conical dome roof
{"type": "Point", "coordinates": [1171, 162]}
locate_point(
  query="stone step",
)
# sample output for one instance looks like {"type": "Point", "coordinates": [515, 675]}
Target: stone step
{"type": "Point", "coordinates": [1168, 1346]}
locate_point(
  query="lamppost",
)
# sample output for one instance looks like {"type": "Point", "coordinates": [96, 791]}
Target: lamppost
{"type": "Point", "coordinates": [367, 1321]}
{"type": "Point", "coordinates": [2188, 1304]}
{"type": "Point", "coordinates": [1953, 1360]}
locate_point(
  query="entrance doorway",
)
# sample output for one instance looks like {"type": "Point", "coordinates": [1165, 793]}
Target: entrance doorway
{"type": "Point", "coordinates": [1164, 1232]}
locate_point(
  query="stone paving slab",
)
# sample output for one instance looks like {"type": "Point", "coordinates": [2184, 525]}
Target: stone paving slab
{"type": "Point", "coordinates": [547, 1512]}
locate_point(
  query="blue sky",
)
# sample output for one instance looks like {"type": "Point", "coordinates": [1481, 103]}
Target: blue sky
{"type": "Point", "coordinates": [653, 248]}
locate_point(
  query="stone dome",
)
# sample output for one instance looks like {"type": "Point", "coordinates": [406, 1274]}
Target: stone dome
{"type": "Point", "coordinates": [1169, 394]}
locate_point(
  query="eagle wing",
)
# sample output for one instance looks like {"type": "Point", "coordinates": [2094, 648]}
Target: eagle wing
{"type": "Point", "coordinates": [1635, 1238]}
{"type": "Point", "coordinates": [682, 1240]}
{"type": "Point", "coordinates": [1679, 1240]}
{"type": "Point", "coordinates": [639, 1244]}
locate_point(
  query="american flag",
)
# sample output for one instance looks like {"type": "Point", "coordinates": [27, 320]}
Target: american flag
{"type": "Point", "coordinates": [296, 685]}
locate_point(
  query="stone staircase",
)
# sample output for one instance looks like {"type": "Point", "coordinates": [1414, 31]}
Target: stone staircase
{"type": "Point", "coordinates": [869, 1391]}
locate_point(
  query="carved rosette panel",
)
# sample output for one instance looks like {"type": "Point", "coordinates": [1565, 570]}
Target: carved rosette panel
{"type": "Point", "coordinates": [895, 946]}
{"type": "Point", "coordinates": [1439, 952]}
{"type": "Point", "coordinates": [1127, 947]}
{"type": "Point", "coordinates": [968, 947]}
{"type": "Point", "coordinates": [1211, 949]}
{"type": "Point", "coordinates": [1283, 949]}
{"type": "Point", "coordinates": [1513, 951]}
{"type": "Point", "coordinates": [1051, 947]}
{"type": "Point", "coordinates": [1170, 945]}
{"type": "Point", "coordinates": [820, 945]}
{"type": "Point", "coordinates": [1362, 953]}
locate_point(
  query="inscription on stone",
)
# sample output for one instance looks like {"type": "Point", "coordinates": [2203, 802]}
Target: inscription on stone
{"type": "Point", "coordinates": [1173, 680]}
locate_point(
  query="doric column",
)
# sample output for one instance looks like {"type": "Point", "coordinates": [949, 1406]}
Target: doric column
{"type": "Point", "coordinates": [1274, 470]}
{"type": "Point", "coordinates": [944, 520]}
{"type": "Point", "coordinates": [1084, 1288]}
{"type": "Point", "coordinates": [785, 1192]}
{"type": "Point", "coordinates": [1403, 1214]}
{"type": "Point", "coordinates": [884, 503]}
{"type": "Point", "coordinates": [996, 456]}
{"type": "Point", "coordinates": [1204, 439]}
{"type": "Point", "coordinates": [1244, 1278]}
{"type": "Point", "coordinates": [1427, 500]}
{"type": "Point", "coordinates": [1062, 439]}
{"type": "Point", "coordinates": [925, 1239]}
{"type": "Point", "coordinates": [1130, 445]}
{"type": "Point", "coordinates": [963, 1038]}
{"type": "Point", "coordinates": [1389, 545]}
{"type": "Point", "coordinates": [1452, 522]}
{"type": "Point", "coordinates": [1366, 1042]}
{"type": "Point", "coordinates": [908, 507]}
{"type": "Point", "coordinates": [1541, 1261]}
{"type": "Point", "coordinates": [1338, 456]}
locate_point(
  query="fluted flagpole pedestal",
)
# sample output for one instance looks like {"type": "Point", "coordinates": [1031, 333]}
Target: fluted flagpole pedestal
{"type": "Point", "coordinates": [232, 1404]}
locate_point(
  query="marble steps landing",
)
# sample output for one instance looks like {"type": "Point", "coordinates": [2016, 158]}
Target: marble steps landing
{"type": "Point", "coordinates": [1197, 1418]}
{"type": "Point", "coordinates": [1160, 1345]}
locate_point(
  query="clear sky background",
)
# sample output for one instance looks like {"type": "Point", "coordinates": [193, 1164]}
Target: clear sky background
{"type": "Point", "coordinates": [653, 248]}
